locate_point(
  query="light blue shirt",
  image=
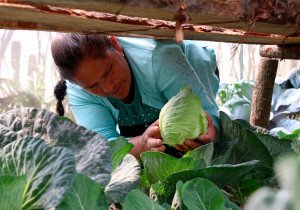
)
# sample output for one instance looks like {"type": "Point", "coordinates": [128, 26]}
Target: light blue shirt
{"type": "Point", "coordinates": [160, 69]}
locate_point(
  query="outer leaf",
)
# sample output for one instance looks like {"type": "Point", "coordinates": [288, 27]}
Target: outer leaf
{"type": "Point", "coordinates": [85, 194]}
{"type": "Point", "coordinates": [6, 136]}
{"type": "Point", "coordinates": [159, 166]}
{"type": "Point", "coordinates": [177, 202]}
{"type": "Point", "coordinates": [288, 97]}
{"type": "Point", "coordinates": [204, 152]}
{"type": "Point", "coordinates": [124, 179]}
{"type": "Point", "coordinates": [11, 190]}
{"type": "Point", "coordinates": [230, 205]}
{"type": "Point", "coordinates": [201, 194]}
{"type": "Point", "coordinates": [239, 144]}
{"type": "Point", "coordinates": [218, 174]}
{"type": "Point", "coordinates": [91, 150]}
{"type": "Point", "coordinates": [136, 200]}
{"type": "Point", "coordinates": [50, 171]}
{"type": "Point", "coordinates": [277, 147]}
{"type": "Point", "coordinates": [161, 192]}
{"type": "Point", "coordinates": [119, 148]}
{"type": "Point", "coordinates": [144, 181]}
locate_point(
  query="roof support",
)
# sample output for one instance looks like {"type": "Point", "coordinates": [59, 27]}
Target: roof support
{"type": "Point", "coordinates": [262, 92]}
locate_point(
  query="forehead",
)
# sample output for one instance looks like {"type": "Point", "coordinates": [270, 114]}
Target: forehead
{"type": "Point", "coordinates": [90, 69]}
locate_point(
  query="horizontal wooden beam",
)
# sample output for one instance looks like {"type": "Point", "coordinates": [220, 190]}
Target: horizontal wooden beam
{"type": "Point", "coordinates": [280, 51]}
{"type": "Point", "coordinates": [143, 18]}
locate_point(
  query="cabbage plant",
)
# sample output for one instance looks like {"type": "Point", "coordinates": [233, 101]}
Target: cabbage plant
{"type": "Point", "coordinates": [182, 118]}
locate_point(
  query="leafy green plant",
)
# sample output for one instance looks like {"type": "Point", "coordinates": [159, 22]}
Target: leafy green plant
{"type": "Point", "coordinates": [235, 101]}
{"type": "Point", "coordinates": [41, 152]}
{"type": "Point", "coordinates": [52, 152]}
{"type": "Point", "coordinates": [237, 165]}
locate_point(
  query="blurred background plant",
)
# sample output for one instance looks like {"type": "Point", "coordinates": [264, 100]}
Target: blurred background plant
{"type": "Point", "coordinates": [27, 73]}
{"type": "Point", "coordinates": [235, 100]}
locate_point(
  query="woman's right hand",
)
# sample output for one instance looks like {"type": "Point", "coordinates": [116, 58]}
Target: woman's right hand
{"type": "Point", "coordinates": [149, 141]}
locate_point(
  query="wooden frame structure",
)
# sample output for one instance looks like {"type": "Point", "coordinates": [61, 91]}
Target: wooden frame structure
{"type": "Point", "coordinates": [240, 21]}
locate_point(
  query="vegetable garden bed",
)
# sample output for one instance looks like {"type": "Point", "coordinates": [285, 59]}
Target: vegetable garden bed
{"type": "Point", "coordinates": [50, 162]}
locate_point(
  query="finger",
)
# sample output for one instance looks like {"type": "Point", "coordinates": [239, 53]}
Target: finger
{"type": "Point", "coordinates": [155, 123]}
{"type": "Point", "coordinates": [154, 132]}
{"type": "Point", "coordinates": [205, 138]}
{"type": "Point", "coordinates": [192, 143]}
{"type": "Point", "coordinates": [153, 142]}
{"type": "Point", "coordinates": [212, 134]}
{"type": "Point", "coordinates": [158, 149]}
{"type": "Point", "coordinates": [186, 147]}
{"type": "Point", "coordinates": [180, 148]}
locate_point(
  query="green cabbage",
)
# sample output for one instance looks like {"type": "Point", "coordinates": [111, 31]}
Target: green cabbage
{"type": "Point", "coordinates": [182, 117]}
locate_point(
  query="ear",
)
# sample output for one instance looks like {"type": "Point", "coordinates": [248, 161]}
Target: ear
{"type": "Point", "coordinates": [116, 44]}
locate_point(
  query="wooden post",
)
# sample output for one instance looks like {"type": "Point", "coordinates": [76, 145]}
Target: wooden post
{"type": "Point", "coordinates": [262, 92]}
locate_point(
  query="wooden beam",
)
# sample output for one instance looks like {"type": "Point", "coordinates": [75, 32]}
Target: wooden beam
{"type": "Point", "coordinates": [280, 51]}
{"type": "Point", "coordinates": [49, 18]}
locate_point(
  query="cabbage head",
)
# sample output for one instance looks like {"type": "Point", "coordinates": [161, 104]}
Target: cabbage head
{"type": "Point", "coordinates": [182, 117]}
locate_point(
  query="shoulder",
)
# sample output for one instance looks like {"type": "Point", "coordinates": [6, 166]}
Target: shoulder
{"type": "Point", "coordinates": [198, 48]}
{"type": "Point", "coordinates": [137, 43]}
{"type": "Point", "coordinates": [78, 96]}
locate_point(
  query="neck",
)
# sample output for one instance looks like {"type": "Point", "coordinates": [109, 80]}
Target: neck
{"type": "Point", "coordinates": [131, 93]}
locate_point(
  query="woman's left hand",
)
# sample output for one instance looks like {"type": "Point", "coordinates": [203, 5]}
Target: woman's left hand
{"type": "Point", "coordinates": [211, 134]}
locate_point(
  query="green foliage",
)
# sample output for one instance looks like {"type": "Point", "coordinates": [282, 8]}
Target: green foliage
{"type": "Point", "coordinates": [137, 200]}
{"type": "Point", "coordinates": [91, 150]}
{"type": "Point", "coordinates": [119, 149]}
{"type": "Point", "coordinates": [202, 153]}
{"type": "Point", "coordinates": [214, 176]}
{"type": "Point", "coordinates": [85, 194]}
{"type": "Point", "coordinates": [50, 170]}
{"type": "Point", "coordinates": [159, 166]}
{"type": "Point", "coordinates": [203, 195]}
{"type": "Point", "coordinates": [11, 191]}
{"type": "Point", "coordinates": [59, 151]}
{"type": "Point", "coordinates": [242, 89]}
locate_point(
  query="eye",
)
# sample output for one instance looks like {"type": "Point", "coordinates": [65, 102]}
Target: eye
{"type": "Point", "coordinates": [106, 74]}
{"type": "Point", "coordinates": [93, 87]}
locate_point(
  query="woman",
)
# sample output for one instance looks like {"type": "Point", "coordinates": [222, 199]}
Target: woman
{"type": "Point", "coordinates": [126, 82]}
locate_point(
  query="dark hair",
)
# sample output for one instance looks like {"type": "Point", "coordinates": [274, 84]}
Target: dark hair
{"type": "Point", "coordinates": [68, 51]}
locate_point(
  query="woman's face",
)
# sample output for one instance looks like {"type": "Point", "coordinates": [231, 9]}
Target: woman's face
{"type": "Point", "coordinates": [109, 76]}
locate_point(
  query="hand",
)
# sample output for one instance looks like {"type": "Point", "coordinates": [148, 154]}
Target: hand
{"type": "Point", "coordinates": [211, 134]}
{"type": "Point", "coordinates": [151, 139]}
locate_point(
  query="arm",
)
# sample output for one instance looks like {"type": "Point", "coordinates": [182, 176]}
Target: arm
{"type": "Point", "coordinates": [173, 71]}
{"type": "Point", "coordinates": [91, 112]}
